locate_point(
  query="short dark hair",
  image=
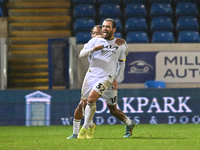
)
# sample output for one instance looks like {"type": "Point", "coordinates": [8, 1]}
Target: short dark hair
{"type": "Point", "coordinates": [111, 20]}
{"type": "Point", "coordinates": [96, 26]}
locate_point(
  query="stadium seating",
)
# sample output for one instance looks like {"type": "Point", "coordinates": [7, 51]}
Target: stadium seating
{"type": "Point", "coordinates": [1, 12]}
{"type": "Point", "coordinates": [83, 24]}
{"type": "Point", "coordinates": [84, 10]}
{"type": "Point", "coordinates": [135, 23]}
{"type": "Point", "coordinates": [187, 23]}
{"type": "Point", "coordinates": [125, 2]}
{"type": "Point", "coordinates": [141, 18]}
{"type": "Point", "coordinates": [76, 2]}
{"type": "Point", "coordinates": [110, 10]}
{"type": "Point", "coordinates": [154, 84]}
{"type": "Point", "coordinates": [82, 37]}
{"type": "Point", "coordinates": [161, 23]}
{"type": "Point", "coordinates": [159, 1]}
{"type": "Point", "coordinates": [188, 37]}
{"type": "Point", "coordinates": [137, 37]}
{"type": "Point", "coordinates": [192, 1]}
{"type": "Point", "coordinates": [108, 1]}
{"type": "Point", "coordinates": [118, 35]}
{"type": "Point", "coordinates": [135, 10]}
{"type": "Point", "coordinates": [118, 23]}
{"type": "Point", "coordinates": [160, 9]}
{"type": "Point", "coordinates": [163, 37]}
{"type": "Point", "coordinates": [184, 8]}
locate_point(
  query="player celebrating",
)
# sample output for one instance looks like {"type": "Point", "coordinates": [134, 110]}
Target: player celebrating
{"type": "Point", "coordinates": [109, 94]}
{"type": "Point", "coordinates": [102, 74]}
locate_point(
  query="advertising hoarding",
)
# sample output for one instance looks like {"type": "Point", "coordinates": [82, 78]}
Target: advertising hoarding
{"type": "Point", "coordinates": [145, 106]}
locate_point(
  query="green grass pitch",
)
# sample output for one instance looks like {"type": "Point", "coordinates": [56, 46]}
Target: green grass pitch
{"type": "Point", "coordinates": [107, 137]}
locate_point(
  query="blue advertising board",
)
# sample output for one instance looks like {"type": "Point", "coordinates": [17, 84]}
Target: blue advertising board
{"type": "Point", "coordinates": [170, 67]}
{"type": "Point", "coordinates": [140, 67]}
{"type": "Point", "coordinates": [145, 106]}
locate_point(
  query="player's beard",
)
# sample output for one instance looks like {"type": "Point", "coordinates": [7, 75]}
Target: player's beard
{"type": "Point", "coordinates": [108, 35]}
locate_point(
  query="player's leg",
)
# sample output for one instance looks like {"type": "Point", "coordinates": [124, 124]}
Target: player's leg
{"type": "Point", "coordinates": [111, 99]}
{"type": "Point", "coordinates": [89, 113]}
{"type": "Point", "coordinates": [78, 115]}
{"type": "Point", "coordinates": [130, 124]}
{"type": "Point", "coordinates": [100, 86]}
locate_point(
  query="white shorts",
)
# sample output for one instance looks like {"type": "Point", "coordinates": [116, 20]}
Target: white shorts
{"type": "Point", "coordinates": [110, 96]}
{"type": "Point", "coordinates": [100, 85]}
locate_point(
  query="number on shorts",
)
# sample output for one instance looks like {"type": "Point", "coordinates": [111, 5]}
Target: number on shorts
{"type": "Point", "coordinates": [114, 99]}
{"type": "Point", "coordinates": [100, 87]}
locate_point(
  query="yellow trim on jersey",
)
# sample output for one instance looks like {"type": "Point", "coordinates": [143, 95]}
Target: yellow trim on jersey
{"type": "Point", "coordinates": [110, 39]}
{"type": "Point", "coordinates": [123, 60]}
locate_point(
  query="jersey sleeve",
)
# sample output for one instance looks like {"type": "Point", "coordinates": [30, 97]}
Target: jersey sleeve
{"type": "Point", "coordinates": [122, 56]}
{"type": "Point", "coordinates": [87, 49]}
{"type": "Point", "coordinates": [127, 51]}
{"type": "Point", "coordinates": [120, 71]}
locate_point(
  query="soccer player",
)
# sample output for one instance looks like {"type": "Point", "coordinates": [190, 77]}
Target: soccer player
{"type": "Point", "coordinates": [96, 31]}
{"type": "Point", "coordinates": [103, 73]}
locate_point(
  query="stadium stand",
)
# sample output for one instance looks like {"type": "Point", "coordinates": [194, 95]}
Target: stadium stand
{"type": "Point", "coordinates": [161, 23]}
{"type": "Point", "coordinates": [125, 2]}
{"type": "Point", "coordinates": [187, 23]}
{"type": "Point", "coordinates": [163, 37]}
{"type": "Point", "coordinates": [159, 1]}
{"type": "Point", "coordinates": [160, 9]}
{"type": "Point", "coordinates": [178, 15]}
{"type": "Point", "coordinates": [30, 24]}
{"type": "Point", "coordinates": [109, 10]}
{"type": "Point", "coordinates": [100, 2]}
{"type": "Point", "coordinates": [146, 16]}
{"type": "Point", "coordinates": [84, 10]}
{"type": "Point", "coordinates": [82, 37]}
{"type": "Point", "coordinates": [1, 6]}
{"type": "Point", "coordinates": [135, 24]}
{"type": "Point", "coordinates": [118, 35]}
{"type": "Point", "coordinates": [84, 16]}
{"type": "Point", "coordinates": [186, 8]}
{"type": "Point", "coordinates": [1, 12]}
{"type": "Point", "coordinates": [192, 1]}
{"type": "Point", "coordinates": [137, 37]}
{"type": "Point", "coordinates": [83, 24]}
{"type": "Point", "coordinates": [76, 2]}
{"type": "Point", "coordinates": [188, 37]}
{"type": "Point", "coordinates": [135, 10]}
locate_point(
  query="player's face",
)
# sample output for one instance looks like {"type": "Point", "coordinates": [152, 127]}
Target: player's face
{"type": "Point", "coordinates": [108, 30]}
{"type": "Point", "coordinates": [96, 31]}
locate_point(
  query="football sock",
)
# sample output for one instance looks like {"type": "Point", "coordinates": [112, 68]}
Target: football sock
{"type": "Point", "coordinates": [83, 111]}
{"type": "Point", "coordinates": [76, 126]}
{"type": "Point", "coordinates": [127, 121]}
{"type": "Point", "coordinates": [91, 124]}
{"type": "Point", "coordinates": [89, 114]}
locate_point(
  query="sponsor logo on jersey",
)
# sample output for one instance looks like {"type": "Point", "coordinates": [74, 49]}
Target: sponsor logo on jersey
{"type": "Point", "coordinates": [111, 47]}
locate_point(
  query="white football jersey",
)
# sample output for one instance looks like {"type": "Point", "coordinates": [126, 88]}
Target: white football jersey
{"type": "Point", "coordinates": [104, 62]}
